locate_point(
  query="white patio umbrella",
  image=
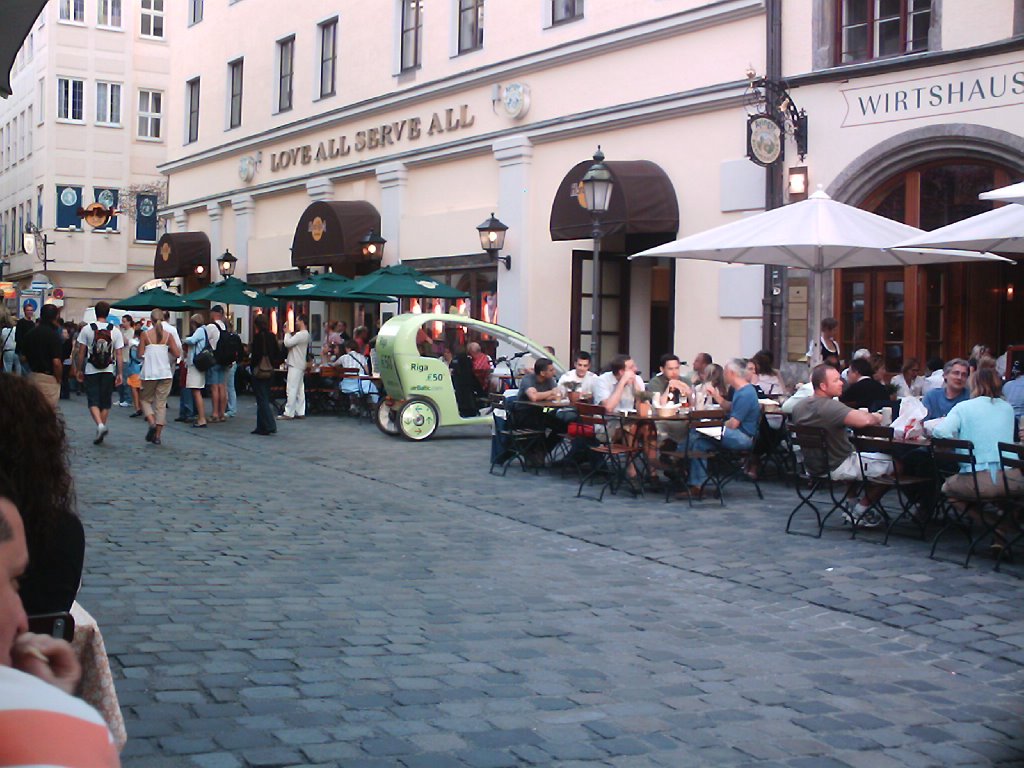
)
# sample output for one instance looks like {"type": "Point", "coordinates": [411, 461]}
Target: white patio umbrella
{"type": "Point", "coordinates": [817, 234]}
{"type": "Point", "coordinates": [1001, 229]}
{"type": "Point", "coordinates": [1011, 194]}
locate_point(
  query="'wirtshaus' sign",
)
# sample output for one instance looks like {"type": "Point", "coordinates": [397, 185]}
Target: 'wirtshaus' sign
{"type": "Point", "coordinates": [374, 137]}
{"type": "Point", "coordinates": [967, 91]}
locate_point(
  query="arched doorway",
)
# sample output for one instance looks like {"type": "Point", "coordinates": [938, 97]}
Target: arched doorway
{"type": "Point", "coordinates": [931, 311]}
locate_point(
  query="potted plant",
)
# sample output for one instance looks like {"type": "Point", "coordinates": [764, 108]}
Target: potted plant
{"type": "Point", "coordinates": [572, 389]}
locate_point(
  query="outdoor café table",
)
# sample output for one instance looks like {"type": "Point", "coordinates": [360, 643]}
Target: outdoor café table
{"type": "Point", "coordinates": [97, 685]}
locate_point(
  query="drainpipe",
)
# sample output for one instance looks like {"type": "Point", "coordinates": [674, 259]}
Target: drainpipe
{"type": "Point", "coordinates": [775, 277]}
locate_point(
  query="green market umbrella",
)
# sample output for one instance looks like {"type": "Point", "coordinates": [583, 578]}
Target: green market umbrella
{"type": "Point", "coordinates": [321, 287]}
{"type": "Point", "coordinates": [397, 281]}
{"type": "Point", "coordinates": [231, 290]}
{"type": "Point", "coordinates": [157, 298]}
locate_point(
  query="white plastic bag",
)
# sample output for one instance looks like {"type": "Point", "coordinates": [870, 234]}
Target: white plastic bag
{"type": "Point", "coordinates": [911, 419]}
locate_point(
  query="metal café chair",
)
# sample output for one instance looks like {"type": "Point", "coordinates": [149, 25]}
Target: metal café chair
{"type": "Point", "coordinates": [811, 441]}
{"type": "Point", "coordinates": [1011, 460]}
{"type": "Point", "coordinates": [515, 442]}
{"type": "Point", "coordinates": [609, 456]}
{"type": "Point", "coordinates": [680, 459]}
{"type": "Point", "coordinates": [951, 456]}
{"type": "Point", "coordinates": [880, 440]}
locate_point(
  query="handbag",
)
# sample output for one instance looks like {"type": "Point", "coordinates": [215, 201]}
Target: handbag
{"type": "Point", "coordinates": [205, 360]}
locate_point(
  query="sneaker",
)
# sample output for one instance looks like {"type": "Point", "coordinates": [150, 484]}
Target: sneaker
{"type": "Point", "coordinates": [862, 517]}
{"type": "Point", "coordinates": [101, 432]}
{"type": "Point", "coordinates": [871, 519]}
{"type": "Point", "coordinates": [125, 405]}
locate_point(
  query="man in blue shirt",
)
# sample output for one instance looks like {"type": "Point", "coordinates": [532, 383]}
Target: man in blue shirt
{"type": "Point", "coordinates": [940, 401]}
{"type": "Point", "coordinates": [739, 430]}
{"type": "Point", "coordinates": [1013, 391]}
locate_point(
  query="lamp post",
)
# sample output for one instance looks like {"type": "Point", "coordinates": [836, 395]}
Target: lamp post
{"type": "Point", "coordinates": [226, 264]}
{"type": "Point", "coordinates": [372, 245]}
{"type": "Point", "coordinates": [492, 240]}
{"type": "Point", "coordinates": [597, 194]}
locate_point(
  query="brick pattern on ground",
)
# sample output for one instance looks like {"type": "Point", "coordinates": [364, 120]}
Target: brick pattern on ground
{"type": "Point", "coordinates": [333, 596]}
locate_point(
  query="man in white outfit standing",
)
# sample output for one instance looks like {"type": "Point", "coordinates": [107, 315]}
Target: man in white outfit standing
{"type": "Point", "coordinates": [296, 344]}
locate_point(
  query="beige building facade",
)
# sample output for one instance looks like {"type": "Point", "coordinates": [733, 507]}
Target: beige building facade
{"type": "Point", "coordinates": [440, 113]}
{"type": "Point", "coordinates": [84, 126]}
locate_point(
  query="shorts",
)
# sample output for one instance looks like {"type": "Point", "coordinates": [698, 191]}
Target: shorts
{"type": "Point", "coordinates": [99, 387]}
{"type": "Point", "coordinates": [215, 375]}
{"type": "Point", "coordinates": [195, 379]}
{"type": "Point", "coordinates": [875, 465]}
{"type": "Point", "coordinates": [135, 381]}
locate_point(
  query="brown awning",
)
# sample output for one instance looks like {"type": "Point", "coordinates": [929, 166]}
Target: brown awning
{"type": "Point", "coordinates": [178, 254]}
{"type": "Point", "coordinates": [328, 233]}
{"type": "Point", "coordinates": [643, 202]}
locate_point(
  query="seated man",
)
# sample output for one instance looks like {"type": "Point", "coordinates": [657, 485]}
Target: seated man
{"type": "Point", "coordinates": [540, 387]}
{"type": "Point", "coordinates": [580, 377]}
{"type": "Point", "coordinates": [615, 389]}
{"type": "Point", "coordinates": [669, 389]}
{"type": "Point", "coordinates": [940, 401]}
{"type": "Point", "coordinates": [841, 462]}
{"type": "Point", "coordinates": [482, 366]}
{"type": "Point", "coordinates": [700, 364]}
{"type": "Point", "coordinates": [41, 722]}
{"type": "Point", "coordinates": [740, 429]}
{"type": "Point", "coordinates": [862, 389]}
{"type": "Point", "coordinates": [354, 387]}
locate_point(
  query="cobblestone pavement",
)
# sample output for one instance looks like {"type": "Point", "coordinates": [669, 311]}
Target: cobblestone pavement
{"type": "Point", "coordinates": [333, 596]}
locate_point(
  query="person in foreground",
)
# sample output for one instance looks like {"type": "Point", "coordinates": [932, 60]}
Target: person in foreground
{"type": "Point", "coordinates": [841, 461]}
{"type": "Point", "coordinates": [41, 722]}
{"type": "Point", "coordinates": [34, 457]}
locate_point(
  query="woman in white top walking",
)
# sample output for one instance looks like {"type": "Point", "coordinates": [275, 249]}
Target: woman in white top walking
{"type": "Point", "coordinates": [157, 348]}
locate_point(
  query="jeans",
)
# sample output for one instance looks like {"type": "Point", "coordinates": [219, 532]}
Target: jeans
{"type": "Point", "coordinates": [731, 438]}
{"type": "Point", "coordinates": [124, 391]}
{"type": "Point", "coordinates": [186, 405]}
{"type": "Point", "coordinates": [230, 382]}
{"type": "Point", "coordinates": [11, 362]}
{"type": "Point", "coordinates": [265, 419]}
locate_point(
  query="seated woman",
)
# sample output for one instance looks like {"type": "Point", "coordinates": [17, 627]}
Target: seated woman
{"type": "Point", "coordinates": [986, 420]}
{"type": "Point", "coordinates": [768, 379]}
{"type": "Point", "coordinates": [34, 460]}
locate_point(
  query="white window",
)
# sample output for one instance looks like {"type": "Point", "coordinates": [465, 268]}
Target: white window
{"type": "Point", "coordinates": [14, 141]}
{"type": "Point", "coordinates": [285, 73]}
{"type": "Point", "coordinates": [28, 133]}
{"type": "Point", "coordinates": [471, 25]}
{"type": "Point", "coordinates": [566, 10]}
{"type": "Point", "coordinates": [152, 18]}
{"type": "Point", "coordinates": [150, 114]}
{"type": "Point", "coordinates": [108, 103]}
{"type": "Point", "coordinates": [235, 96]}
{"type": "Point", "coordinates": [192, 110]}
{"type": "Point", "coordinates": [22, 141]}
{"type": "Point", "coordinates": [72, 10]}
{"type": "Point", "coordinates": [42, 100]}
{"type": "Point", "coordinates": [109, 14]}
{"type": "Point", "coordinates": [328, 57]}
{"type": "Point", "coordinates": [195, 11]}
{"type": "Point", "coordinates": [30, 45]}
{"type": "Point", "coordinates": [70, 99]}
{"type": "Point", "coordinates": [412, 33]}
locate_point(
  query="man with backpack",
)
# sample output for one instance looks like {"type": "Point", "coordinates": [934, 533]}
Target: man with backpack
{"type": "Point", "coordinates": [99, 366]}
{"type": "Point", "coordinates": [225, 351]}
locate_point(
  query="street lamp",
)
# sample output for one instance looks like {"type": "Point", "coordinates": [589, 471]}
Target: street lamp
{"type": "Point", "coordinates": [226, 264]}
{"type": "Point", "coordinates": [372, 245]}
{"type": "Point", "coordinates": [492, 239]}
{"type": "Point", "coordinates": [597, 195]}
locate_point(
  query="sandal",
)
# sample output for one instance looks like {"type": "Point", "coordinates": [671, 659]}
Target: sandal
{"type": "Point", "coordinates": [198, 426]}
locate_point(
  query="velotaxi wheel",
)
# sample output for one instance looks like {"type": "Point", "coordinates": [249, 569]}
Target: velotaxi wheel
{"type": "Point", "coordinates": [387, 419]}
{"type": "Point", "coordinates": [417, 420]}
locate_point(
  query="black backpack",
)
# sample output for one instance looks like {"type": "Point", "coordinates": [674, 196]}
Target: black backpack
{"type": "Point", "coordinates": [101, 351]}
{"type": "Point", "coordinates": [229, 348]}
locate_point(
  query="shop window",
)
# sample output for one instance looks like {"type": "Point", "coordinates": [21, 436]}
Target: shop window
{"type": "Point", "coordinates": [471, 25]}
{"type": "Point", "coordinates": [145, 218]}
{"type": "Point", "coordinates": [152, 18]}
{"type": "Point", "coordinates": [108, 199]}
{"type": "Point", "coordinates": [412, 34]}
{"type": "Point", "coordinates": [69, 200]}
{"type": "Point", "coordinates": [877, 29]}
{"type": "Point", "coordinates": [235, 97]}
{"type": "Point", "coordinates": [328, 57]}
